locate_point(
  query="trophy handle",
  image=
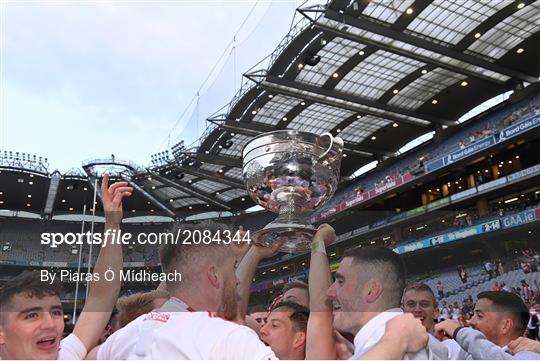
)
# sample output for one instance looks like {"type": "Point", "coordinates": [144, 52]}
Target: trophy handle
{"type": "Point", "coordinates": [332, 140]}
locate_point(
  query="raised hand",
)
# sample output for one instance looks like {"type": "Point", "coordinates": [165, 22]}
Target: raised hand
{"type": "Point", "coordinates": [111, 197]}
{"type": "Point", "coordinates": [326, 233]}
{"type": "Point", "coordinates": [448, 327]}
{"type": "Point", "coordinates": [240, 248]}
{"type": "Point", "coordinates": [267, 252]}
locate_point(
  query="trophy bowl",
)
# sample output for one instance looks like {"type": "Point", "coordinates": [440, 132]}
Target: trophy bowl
{"type": "Point", "coordinates": [291, 173]}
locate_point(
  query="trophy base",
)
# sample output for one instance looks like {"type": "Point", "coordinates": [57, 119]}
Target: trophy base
{"type": "Point", "coordinates": [294, 237]}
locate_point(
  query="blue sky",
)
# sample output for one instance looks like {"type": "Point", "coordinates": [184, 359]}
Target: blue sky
{"type": "Point", "coordinates": [87, 79]}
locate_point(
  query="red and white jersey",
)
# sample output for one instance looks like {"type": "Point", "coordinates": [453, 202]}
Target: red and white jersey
{"type": "Point", "coordinates": [172, 333]}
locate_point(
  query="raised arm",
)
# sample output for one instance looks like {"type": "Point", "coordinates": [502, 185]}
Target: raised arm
{"type": "Point", "coordinates": [102, 294]}
{"type": "Point", "coordinates": [320, 343]}
{"type": "Point", "coordinates": [475, 343]}
{"type": "Point", "coordinates": [246, 271]}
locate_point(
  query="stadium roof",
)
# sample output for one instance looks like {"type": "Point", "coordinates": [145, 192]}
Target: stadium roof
{"type": "Point", "coordinates": [378, 73]}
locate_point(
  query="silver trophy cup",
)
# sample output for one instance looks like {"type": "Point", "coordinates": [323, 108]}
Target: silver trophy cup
{"type": "Point", "coordinates": [291, 173]}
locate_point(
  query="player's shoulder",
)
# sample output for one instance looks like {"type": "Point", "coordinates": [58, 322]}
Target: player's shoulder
{"type": "Point", "coordinates": [125, 333]}
{"type": "Point", "coordinates": [213, 320]}
{"type": "Point", "coordinates": [72, 348]}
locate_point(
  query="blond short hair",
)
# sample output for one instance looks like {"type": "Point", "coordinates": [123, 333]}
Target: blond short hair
{"type": "Point", "coordinates": [132, 306]}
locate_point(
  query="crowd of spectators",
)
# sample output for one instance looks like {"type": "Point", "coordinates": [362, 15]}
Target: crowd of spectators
{"type": "Point", "coordinates": [416, 161]}
{"type": "Point", "coordinates": [528, 291]}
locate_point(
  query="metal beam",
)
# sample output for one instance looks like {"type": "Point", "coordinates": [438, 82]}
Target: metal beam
{"type": "Point", "coordinates": [346, 101]}
{"type": "Point", "coordinates": [409, 54]}
{"type": "Point", "coordinates": [195, 193]}
{"type": "Point", "coordinates": [225, 161]}
{"type": "Point", "coordinates": [231, 182]}
{"type": "Point", "coordinates": [251, 129]}
{"type": "Point", "coordinates": [151, 198]}
{"type": "Point", "coordinates": [366, 24]}
{"type": "Point", "coordinates": [489, 23]}
{"type": "Point", "coordinates": [51, 193]}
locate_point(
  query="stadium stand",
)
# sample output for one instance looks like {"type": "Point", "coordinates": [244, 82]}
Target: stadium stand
{"type": "Point", "coordinates": [464, 202]}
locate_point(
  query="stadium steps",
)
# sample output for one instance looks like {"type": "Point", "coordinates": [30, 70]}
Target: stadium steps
{"type": "Point", "coordinates": [511, 279]}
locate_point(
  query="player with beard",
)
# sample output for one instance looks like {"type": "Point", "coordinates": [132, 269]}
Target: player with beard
{"type": "Point", "coordinates": [499, 318]}
{"type": "Point", "coordinates": [186, 326]}
{"type": "Point", "coordinates": [31, 317]}
{"type": "Point", "coordinates": [419, 300]}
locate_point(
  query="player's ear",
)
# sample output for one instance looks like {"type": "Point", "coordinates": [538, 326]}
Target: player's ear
{"type": "Point", "coordinates": [507, 326]}
{"type": "Point", "coordinates": [299, 340]}
{"type": "Point", "coordinates": [212, 275]}
{"type": "Point", "coordinates": [375, 290]}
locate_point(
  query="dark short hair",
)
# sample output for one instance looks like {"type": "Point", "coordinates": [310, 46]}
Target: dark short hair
{"type": "Point", "coordinates": [420, 287]}
{"type": "Point", "coordinates": [387, 264]}
{"type": "Point", "coordinates": [257, 308]}
{"type": "Point", "coordinates": [511, 303]}
{"type": "Point", "coordinates": [299, 316]}
{"type": "Point", "coordinates": [29, 284]}
{"type": "Point", "coordinates": [295, 284]}
{"type": "Point", "coordinates": [181, 255]}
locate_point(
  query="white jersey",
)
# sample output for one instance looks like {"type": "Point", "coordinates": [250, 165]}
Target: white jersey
{"type": "Point", "coordinates": [374, 329]}
{"type": "Point", "coordinates": [72, 348]}
{"type": "Point", "coordinates": [174, 332]}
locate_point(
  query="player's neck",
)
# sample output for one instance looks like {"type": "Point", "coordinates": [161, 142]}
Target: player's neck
{"type": "Point", "coordinates": [197, 301]}
{"type": "Point", "coordinates": [297, 354]}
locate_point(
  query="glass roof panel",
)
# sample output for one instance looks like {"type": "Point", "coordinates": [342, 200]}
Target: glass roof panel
{"type": "Point", "coordinates": [234, 173]}
{"type": "Point", "coordinates": [231, 194]}
{"type": "Point", "coordinates": [239, 141]}
{"type": "Point", "coordinates": [387, 10]}
{"type": "Point", "coordinates": [211, 167]}
{"type": "Point", "coordinates": [318, 118]}
{"type": "Point", "coordinates": [376, 74]}
{"type": "Point", "coordinates": [168, 193]}
{"type": "Point", "coordinates": [186, 202]}
{"type": "Point", "coordinates": [186, 176]}
{"type": "Point", "coordinates": [358, 130]}
{"type": "Point", "coordinates": [508, 33]}
{"type": "Point", "coordinates": [424, 88]}
{"type": "Point", "coordinates": [450, 20]}
{"type": "Point", "coordinates": [333, 55]}
{"type": "Point", "coordinates": [415, 50]}
{"type": "Point", "coordinates": [152, 182]}
{"type": "Point", "coordinates": [209, 186]}
{"type": "Point", "coordinates": [275, 109]}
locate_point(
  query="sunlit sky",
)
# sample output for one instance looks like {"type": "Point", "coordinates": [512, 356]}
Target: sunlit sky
{"type": "Point", "coordinates": [86, 79]}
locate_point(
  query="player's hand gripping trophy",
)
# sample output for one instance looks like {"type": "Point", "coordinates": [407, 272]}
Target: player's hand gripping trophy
{"type": "Point", "coordinates": [291, 173]}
